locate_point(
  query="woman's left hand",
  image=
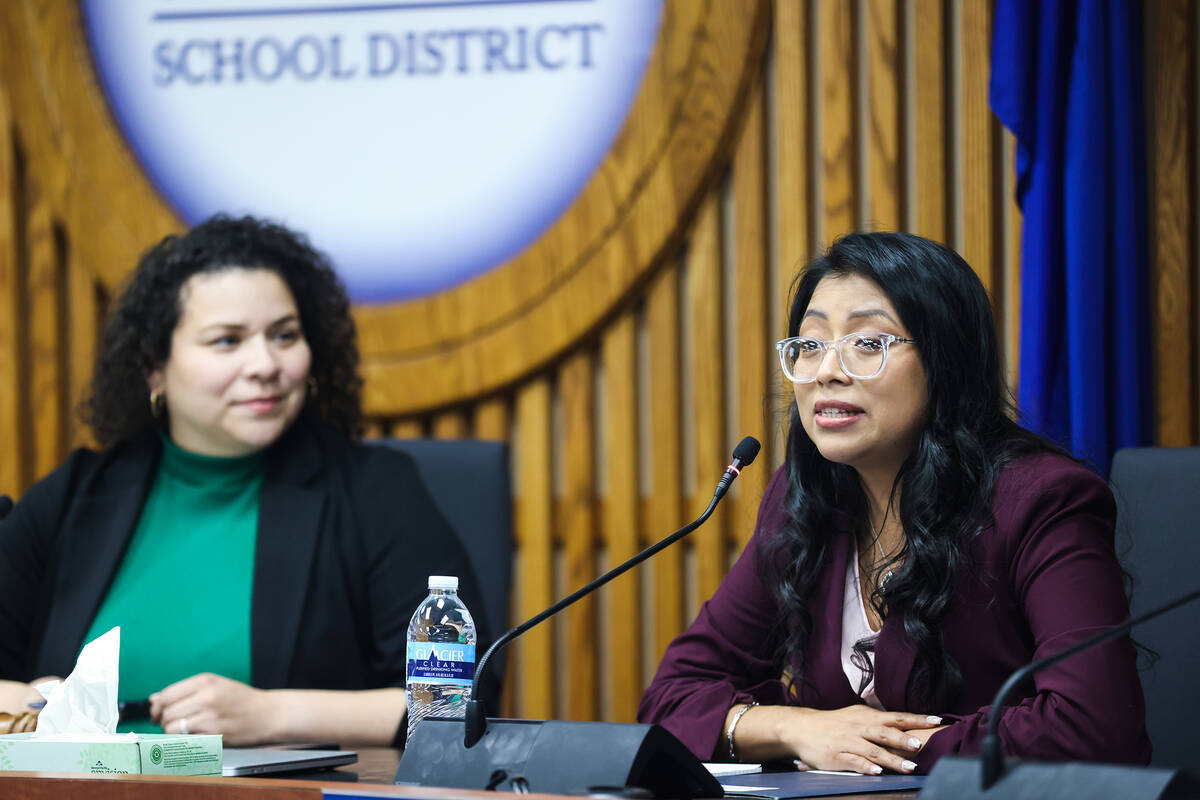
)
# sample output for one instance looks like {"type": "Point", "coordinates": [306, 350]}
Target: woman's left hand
{"type": "Point", "coordinates": [209, 703]}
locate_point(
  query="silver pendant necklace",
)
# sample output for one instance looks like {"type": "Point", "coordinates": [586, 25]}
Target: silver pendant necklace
{"type": "Point", "coordinates": [882, 557]}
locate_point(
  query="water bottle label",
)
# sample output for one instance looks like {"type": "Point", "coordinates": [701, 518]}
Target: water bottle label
{"type": "Point", "coordinates": [443, 662]}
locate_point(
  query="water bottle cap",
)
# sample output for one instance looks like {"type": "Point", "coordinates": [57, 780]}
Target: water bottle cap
{"type": "Point", "coordinates": [443, 582]}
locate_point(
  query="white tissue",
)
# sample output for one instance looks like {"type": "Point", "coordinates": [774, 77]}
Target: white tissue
{"type": "Point", "coordinates": [85, 704]}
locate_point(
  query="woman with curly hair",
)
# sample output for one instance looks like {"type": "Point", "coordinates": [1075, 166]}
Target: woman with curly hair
{"type": "Point", "coordinates": [261, 564]}
{"type": "Point", "coordinates": [916, 547]}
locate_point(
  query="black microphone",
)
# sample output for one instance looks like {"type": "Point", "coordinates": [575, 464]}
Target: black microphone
{"type": "Point", "coordinates": [743, 456]}
{"type": "Point", "coordinates": [565, 756]}
{"type": "Point", "coordinates": [959, 778]}
{"type": "Point", "coordinates": [6, 505]}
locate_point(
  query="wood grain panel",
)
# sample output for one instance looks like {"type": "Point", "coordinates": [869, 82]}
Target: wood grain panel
{"type": "Point", "coordinates": [838, 152]}
{"type": "Point", "coordinates": [706, 323]}
{"type": "Point", "coordinates": [622, 598]}
{"type": "Point", "coordinates": [929, 108]}
{"type": "Point", "coordinates": [665, 506]}
{"type": "Point", "coordinates": [533, 661]}
{"type": "Point", "coordinates": [577, 521]}
{"type": "Point", "coordinates": [980, 153]}
{"type": "Point", "coordinates": [46, 345]}
{"type": "Point", "coordinates": [885, 91]}
{"type": "Point", "coordinates": [12, 455]}
{"type": "Point", "coordinates": [1174, 209]}
{"type": "Point", "coordinates": [754, 352]}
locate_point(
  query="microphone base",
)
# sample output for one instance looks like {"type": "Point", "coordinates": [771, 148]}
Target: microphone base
{"type": "Point", "coordinates": [962, 779]}
{"type": "Point", "coordinates": [555, 757]}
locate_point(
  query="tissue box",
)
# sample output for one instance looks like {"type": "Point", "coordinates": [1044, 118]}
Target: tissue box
{"type": "Point", "coordinates": [125, 754]}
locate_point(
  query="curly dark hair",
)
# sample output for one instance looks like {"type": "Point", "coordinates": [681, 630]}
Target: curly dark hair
{"type": "Point", "coordinates": [137, 337]}
{"type": "Point", "coordinates": [947, 480]}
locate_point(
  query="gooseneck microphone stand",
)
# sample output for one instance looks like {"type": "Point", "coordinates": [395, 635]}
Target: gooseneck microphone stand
{"type": "Point", "coordinates": [558, 756]}
{"type": "Point", "coordinates": [476, 721]}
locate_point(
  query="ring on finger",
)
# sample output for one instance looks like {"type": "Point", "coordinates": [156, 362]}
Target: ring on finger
{"type": "Point", "coordinates": [183, 726]}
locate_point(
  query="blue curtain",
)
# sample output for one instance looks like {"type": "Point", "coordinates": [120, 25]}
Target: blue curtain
{"type": "Point", "coordinates": [1067, 80]}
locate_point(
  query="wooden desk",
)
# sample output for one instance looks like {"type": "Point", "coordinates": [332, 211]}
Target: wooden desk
{"type": "Point", "coordinates": [370, 777]}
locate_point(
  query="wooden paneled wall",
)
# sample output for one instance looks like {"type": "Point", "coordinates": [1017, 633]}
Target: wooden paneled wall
{"type": "Point", "coordinates": [627, 351]}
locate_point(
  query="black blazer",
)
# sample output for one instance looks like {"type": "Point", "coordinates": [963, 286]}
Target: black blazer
{"type": "Point", "coordinates": [347, 537]}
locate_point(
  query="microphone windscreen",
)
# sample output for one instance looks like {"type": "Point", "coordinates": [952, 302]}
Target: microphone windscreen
{"type": "Point", "coordinates": [747, 450]}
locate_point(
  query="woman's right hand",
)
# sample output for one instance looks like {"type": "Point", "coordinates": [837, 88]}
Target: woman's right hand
{"type": "Point", "coordinates": [858, 738]}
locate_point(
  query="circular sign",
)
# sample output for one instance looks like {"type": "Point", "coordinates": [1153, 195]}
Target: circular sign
{"type": "Point", "coordinates": [420, 143]}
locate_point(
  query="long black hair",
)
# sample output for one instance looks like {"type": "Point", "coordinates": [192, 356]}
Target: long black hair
{"type": "Point", "coordinates": [137, 337]}
{"type": "Point", "coordinates": [945, 484]}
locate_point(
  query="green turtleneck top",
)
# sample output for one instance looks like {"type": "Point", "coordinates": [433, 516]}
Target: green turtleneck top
{"type": "Point", "coordinates": [182, 593]}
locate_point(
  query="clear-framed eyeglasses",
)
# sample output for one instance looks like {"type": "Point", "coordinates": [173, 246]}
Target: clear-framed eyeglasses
{"type": "Point", "coordinates": [862, 355]}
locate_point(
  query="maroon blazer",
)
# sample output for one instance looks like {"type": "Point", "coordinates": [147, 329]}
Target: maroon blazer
{"type": "Point", "coordinates": [1044, 577]}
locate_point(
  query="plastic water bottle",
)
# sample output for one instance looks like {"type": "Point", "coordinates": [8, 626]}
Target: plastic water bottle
{"type": "Point", "coordinates": [441, 654]}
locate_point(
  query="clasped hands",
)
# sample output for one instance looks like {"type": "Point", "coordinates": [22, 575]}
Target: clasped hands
{"type": "Point", "coordinates": [858, 738]}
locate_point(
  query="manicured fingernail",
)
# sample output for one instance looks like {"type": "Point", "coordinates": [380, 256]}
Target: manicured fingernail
{"type": "Point", "coordinates": [914, 743]}
{"type": "Point", "coordinates": [876, 769]}
{"type": "Point", "coordinates": [932, 720]}
{"type": "Point", "coordinates": [909, 766]}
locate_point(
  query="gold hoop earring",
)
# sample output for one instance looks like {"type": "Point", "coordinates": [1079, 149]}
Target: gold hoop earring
{"type": "Point", "coordinates": [158, 404]}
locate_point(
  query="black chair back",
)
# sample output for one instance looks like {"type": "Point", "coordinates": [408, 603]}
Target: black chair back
{"type": "Point", "coordinates": [1158, 502]}
{"type": "Point", "coordinates": [469, 481]}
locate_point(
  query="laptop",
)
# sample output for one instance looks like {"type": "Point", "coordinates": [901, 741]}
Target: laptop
{"type": "Point", "coordinates": [244, 761]}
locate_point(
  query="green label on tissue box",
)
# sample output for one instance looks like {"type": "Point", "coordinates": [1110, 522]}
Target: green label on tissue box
{"type": "Point", "coordinates": [131, 754]}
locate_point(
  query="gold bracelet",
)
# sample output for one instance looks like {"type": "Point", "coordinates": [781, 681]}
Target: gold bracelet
{"type": "Point", "coordinates": [733, 724]}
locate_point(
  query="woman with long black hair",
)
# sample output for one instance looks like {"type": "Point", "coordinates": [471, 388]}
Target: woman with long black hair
{"type": "Point", "coordinates": [915, 548]}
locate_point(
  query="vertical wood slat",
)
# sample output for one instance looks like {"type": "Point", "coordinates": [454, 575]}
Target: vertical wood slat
{"type": "Point", "coordinates": [838, 151]}
{"type": "Point", "coordinates": [491, 422]}
{"type": "Point", "coordinates": [793, 230]}
{"type": "Point", "coordinates": [578, 525]}
{"type": "Point", "coordinates": [46, 390]}
{"type": "Point", "coordinates": [491, 419]}
{"type": "Point", "coordinates": [451, 425]}
{"type": "Point", "coordinates": [882, 126]}
{"type": "Point", "coordinates": [12, 453]}
{"type": "Point", "coordinates": [665, 506]}
{"type": "Point", "coordinates": [83, 333]}
{"type": "Point", "coordinates": [929, 108]}
{"type": "Point", "coordinates": [1174, 211]}
{"type": "Point", "coordinates": [707, 369]}
{"type": "Point", "coordinates": [406, 429]}
{"type": "Point", "coordinates": [622, 597]}
{"type": "Point", "coordinates": [754, 354]}
{"type": "Point", "coordinates": [533, 659]}
{"type": "Point", "coordinates": [1011, 319]}
{"type": "Point", "coordinates": [792, 139]}
{"type": "Point", "coordinates": [980, 153]}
